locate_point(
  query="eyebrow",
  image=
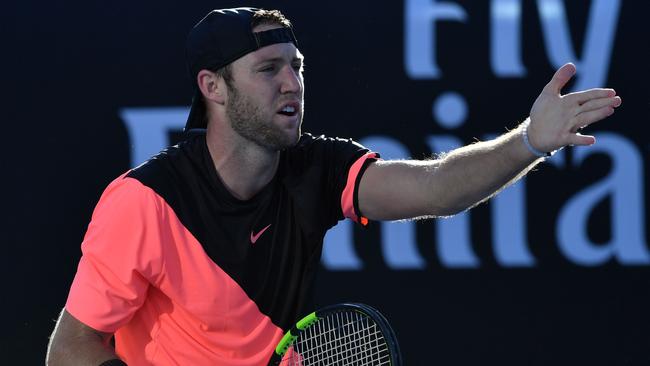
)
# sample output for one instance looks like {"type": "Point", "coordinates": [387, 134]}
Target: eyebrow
{"type": "Point", "coordinates": [300, 58]}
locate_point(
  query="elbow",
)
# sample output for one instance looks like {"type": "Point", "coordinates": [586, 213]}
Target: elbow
{"type": "Point", "coordinates": [447, 210]}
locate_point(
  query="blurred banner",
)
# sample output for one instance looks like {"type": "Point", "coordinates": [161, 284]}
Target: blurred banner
{"type": "Point", "coordinates": [553, 270]}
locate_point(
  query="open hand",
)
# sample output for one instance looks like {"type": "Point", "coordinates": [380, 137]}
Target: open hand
{"type": "Point", "coordinates": [555, 119]}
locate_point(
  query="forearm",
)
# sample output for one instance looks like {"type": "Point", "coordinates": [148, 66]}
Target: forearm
{"type": "Point", "coordinates": [80, 351]}
{"type": "Point", "coordinates": [469, 175]}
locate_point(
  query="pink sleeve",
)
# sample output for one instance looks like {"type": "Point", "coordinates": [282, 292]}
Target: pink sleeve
{"type": "Point", "coordinates": [349, 195]}
{"type": "Point", "coordinates": [121, 256]}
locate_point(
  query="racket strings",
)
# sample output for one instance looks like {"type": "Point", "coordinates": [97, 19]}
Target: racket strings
{"type": "Point", "coordinates": [316, 334]}
{"type": "Point", "coordinates": [346, 338]}
{"type": "Point", "coordinates": [364, 351]}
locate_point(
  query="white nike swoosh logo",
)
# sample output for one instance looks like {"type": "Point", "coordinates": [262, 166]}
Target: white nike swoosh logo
{"type": "Point", "coordinates": [254, 237]}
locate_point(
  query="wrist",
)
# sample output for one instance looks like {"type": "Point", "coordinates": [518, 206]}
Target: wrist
{"type": "Point", "coordinates": [533, 150]}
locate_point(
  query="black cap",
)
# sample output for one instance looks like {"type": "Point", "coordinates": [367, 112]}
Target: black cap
{"type": "Point", "coordinates": [223, 36]}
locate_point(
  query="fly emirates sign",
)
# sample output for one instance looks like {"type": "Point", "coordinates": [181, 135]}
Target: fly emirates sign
{"type": "Point", "coordinates": [623, 185]}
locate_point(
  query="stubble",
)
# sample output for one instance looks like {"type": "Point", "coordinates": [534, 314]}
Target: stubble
{"type": "Point", "coordinates": [248, 120]}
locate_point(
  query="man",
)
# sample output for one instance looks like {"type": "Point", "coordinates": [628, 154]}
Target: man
{"type": "Point", "coordinates": [205, 254]}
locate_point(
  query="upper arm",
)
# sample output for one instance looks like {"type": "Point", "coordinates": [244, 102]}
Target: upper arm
{"type": "Point", "coordinates": [401, 189]}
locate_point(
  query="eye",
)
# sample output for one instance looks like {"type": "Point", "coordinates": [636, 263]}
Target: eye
{"type": "Point", "coordinates": [268, 68]}
{"type": "Point", "coordinates": [298, 67]}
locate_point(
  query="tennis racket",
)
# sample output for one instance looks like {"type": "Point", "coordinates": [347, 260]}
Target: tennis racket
{"type": "Point", "coordinates": [342, 334]}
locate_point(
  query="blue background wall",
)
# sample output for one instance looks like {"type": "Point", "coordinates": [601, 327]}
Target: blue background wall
{"type": "Point", "coordinates": [553, 271]}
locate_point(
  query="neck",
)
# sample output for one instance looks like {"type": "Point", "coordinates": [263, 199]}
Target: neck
{"type": "Point", "coordinates": [243, 166]}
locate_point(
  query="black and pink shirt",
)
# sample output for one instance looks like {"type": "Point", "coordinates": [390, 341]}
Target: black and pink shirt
{"type": "Point", "coordinates": [186, 274]}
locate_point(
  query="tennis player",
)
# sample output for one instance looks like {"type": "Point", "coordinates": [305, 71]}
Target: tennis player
{"type": "Point", "coordinates": [205, 254]}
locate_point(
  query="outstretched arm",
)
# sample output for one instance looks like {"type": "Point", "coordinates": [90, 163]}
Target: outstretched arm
{"type": "Point", "coordinates": [75, 343]}
{"type": "Point", "coordinates": [393, 190]}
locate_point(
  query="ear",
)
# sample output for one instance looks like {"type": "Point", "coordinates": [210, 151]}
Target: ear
{"type": "Point", "coordinates": [212, 86]}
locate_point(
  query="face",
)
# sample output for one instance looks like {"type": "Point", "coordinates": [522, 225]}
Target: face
{"type": "Point", "coordinates": [265, 99]}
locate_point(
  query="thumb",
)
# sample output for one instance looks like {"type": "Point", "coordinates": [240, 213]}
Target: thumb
{"type": "Point", "coordinates": [581, 140]}
{"type": "Point", "coordinates": [560, 78]}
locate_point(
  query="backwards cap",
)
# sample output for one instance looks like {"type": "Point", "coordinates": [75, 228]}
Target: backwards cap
{"type": "Point", "coordinates": [221, 37]}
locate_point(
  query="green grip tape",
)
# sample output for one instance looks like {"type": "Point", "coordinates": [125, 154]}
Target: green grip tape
{"type": "Point", "coordinates": [289, 337]}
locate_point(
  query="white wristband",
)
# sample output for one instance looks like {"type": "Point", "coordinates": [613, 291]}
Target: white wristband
{"type": "Point", "coordinates": [534, 151]}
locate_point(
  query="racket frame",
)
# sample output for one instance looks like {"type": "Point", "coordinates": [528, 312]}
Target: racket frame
{"type": "Point", "coordinates": [292, 335]}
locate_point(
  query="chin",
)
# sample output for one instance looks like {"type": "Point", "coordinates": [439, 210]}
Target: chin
{"type": "Point", "coordinates": [292, 136]}
{"type": "Point", "coordinates": [290, 141]}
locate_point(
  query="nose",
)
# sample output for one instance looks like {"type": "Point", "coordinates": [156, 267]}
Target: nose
{"type": "Point", "coordinates": [291, 80]}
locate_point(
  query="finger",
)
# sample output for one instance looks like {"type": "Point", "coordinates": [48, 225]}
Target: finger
{"type": "Point", "coordinates": [585, 96]}
{"type": "Point", "coordinates": [560, 78]}
{"type": "Point", "coordinates": [599, 103]}
{"type": "Point", "coordinates": [587, 118]}
{"type": "Point", "coordinates": [581, 140]}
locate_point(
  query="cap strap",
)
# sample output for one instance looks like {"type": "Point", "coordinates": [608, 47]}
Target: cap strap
{"type": "Point", "coordinates": [272, 36]}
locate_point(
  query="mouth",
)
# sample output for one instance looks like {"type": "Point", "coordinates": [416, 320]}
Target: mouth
{"type": "Point", "coordinates": [289, 109]}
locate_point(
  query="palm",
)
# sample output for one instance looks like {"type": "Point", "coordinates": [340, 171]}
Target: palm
{"type": "Point", "coordinates": [556, 119]}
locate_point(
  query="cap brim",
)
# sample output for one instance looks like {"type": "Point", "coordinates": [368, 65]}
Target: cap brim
{"type": "Point", "coordinates": [196, 118]}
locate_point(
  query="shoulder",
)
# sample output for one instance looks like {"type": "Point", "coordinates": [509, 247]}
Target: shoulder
{"type": "Point", "coordinates": [123, 195]}
{"type": "Point", "coordinates": [171, 157]}
{"type": "Point", "coordinates": [318, 147]}
{"type": "Point", "coordinates": [307, 140]}
{"type": "Point", "coordinates": [325, 159]}
{"type": "Point", "coordinates": [176, 166]}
